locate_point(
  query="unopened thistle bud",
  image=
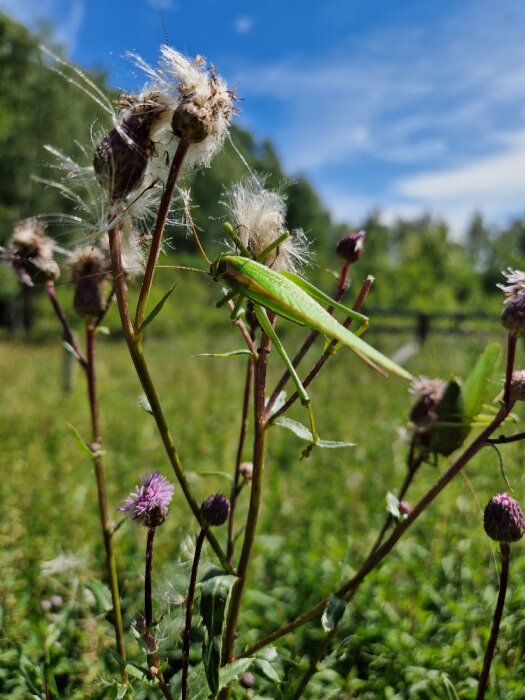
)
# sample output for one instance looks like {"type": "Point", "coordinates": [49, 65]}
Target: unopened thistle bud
{"type": "Point", "coordinates": [149, 503]}
{"type": "Point", "coordinates": [215, 510]}
{"type": "Point", "coordinates": [513, 316]}
{"type": "Point", "coordinates": [351, 246]}
{"type": "Point", "coordinates": [122, 156]}
{"type": "Point", "coordinates": [247, 680]}
{"type": "Point", "coordinates": [30, 253]}
{"type": "Point", "coordinates": [503, 519]}
{"type": "Point", "coordinates": [89, 267]}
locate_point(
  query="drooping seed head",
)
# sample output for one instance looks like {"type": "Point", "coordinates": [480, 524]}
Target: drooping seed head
{"type": "Point", "coordinates": [513, 316]}
{"type": "Point", "coordinates": [215, 510]}
{"type": "Point", "coordinates": [517, 385]}
{"type": "Point", "coordinates": [89, 267]}
{"type": "Point", "coordinates": [149, 503]}
{"type": "Point", "coordinates": [30, 253]}
{"type": "Point", "coordinates": [503, 519]}
{"type": "Point", "coordinates": [351, 246]}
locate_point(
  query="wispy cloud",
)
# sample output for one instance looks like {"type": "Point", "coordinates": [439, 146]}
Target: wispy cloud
{"type": "Point", "coordinates": [441, 106]}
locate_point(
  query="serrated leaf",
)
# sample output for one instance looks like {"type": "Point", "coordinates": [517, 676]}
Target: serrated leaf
{"type": "Point", "coordinates": [215, 594]}
{"type": "Point", "coordinates": [156, 310]}
{"type": "Point", "coordinates": [475, 386]}
{"type": "Point", "coordinates": [333, 613]}
{"type": "Point", "coordinates": [198, 687]}
{"type": "Point", "coordinates": [101, 593]}
{"type": "Point", "coordinates": [301, 431]}
{"type": "Point", "coordinates": [145, 404]}
{"type": "Point", "coordinates": [233, 353]}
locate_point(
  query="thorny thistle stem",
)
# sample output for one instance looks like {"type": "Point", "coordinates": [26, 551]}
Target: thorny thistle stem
{"type": "Point", "coordinates": [189, 605]}
{"type": "Point", "coordinates": [377, 555]}
{"type": "Point", "coordinates": [148, 605]}
{"type": "Point", "coordinates": [158, 231]}
{"type": "Point", "coordinates": [496, 620]}
{"type": "Point", "coordinates": [102, 498]}
{"type": "Point", "coordinates": [141, 367]}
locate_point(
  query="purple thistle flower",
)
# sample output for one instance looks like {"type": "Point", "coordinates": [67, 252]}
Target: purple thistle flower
{"type": "Point", "coordinates": [149, 503]}
{"type": "Point", "coordinates": [351, 246]}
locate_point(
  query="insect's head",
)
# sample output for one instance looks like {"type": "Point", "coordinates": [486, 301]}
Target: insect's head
{"type": "Point", "coordinates": [218, 268]}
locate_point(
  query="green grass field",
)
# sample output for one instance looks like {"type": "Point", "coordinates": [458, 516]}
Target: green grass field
{"type": "Point", "coordinates": [422, 618]}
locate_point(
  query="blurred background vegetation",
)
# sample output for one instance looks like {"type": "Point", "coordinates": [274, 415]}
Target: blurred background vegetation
{"type": "Point", "coordinates": [419, 621]}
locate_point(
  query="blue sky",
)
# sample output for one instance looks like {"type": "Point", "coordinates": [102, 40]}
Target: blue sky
{"type": "Point", "coordinates": [409, 107]}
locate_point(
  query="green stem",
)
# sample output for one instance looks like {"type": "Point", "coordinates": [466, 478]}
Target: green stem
{"type": "Point", "coordinates": [102, 498]}
{"type": "Point", "coordinates": [158, 231]}
{"type": "Point", "coordinates": [496, 620]}
{"type": "Point", "coordinates": [141, 367]}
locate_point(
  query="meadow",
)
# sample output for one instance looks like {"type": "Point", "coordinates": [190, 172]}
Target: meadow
{"type": "Point", "coordinates": [416, 628]}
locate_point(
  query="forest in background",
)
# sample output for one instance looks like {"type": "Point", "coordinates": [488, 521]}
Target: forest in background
{"type": "Point", "coordinates": [417, 263]}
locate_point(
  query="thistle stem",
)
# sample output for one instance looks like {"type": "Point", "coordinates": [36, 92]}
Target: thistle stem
{"type": "Point", "coordinates": [496, 620]}
{"type": "Point", "coordinates": [142, 370]}
{"type": "Point", "coordinates": [158, 231]}
{"type": "Point", "coordinates": [259, 448]}
{"type": "Point", "coordinates": [376, 557]}
{"type": "Point", "coordinates": [189, 605]}
{"type": "Point", "coordinates": [148, 605]}
{"type": "Point", "coordinates": [69, 338]}
{"type": "Point", "coordinates": [102, 498]}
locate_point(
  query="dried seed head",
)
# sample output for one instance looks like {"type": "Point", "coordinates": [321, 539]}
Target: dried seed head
{"type": "Point", "coordinates": [513, 316]}
{"type": "Point", "coordinates": [215, 510]}
{"type": "Point", "coordinates": [246, 470]}
{"type": "Point", "coordinates": [30, 253]}
{"type": "Point", "coordinates": [89, 267]}
{"type": "Point", "coordinates": [149, 503]}
{"type": "Point", "coordinates": [259, 216]}
{"type": "Point", "coordinates": [517, 386]}
{"type": "Point", "coordinates": [351, 246]}
{"type": "Point", "coordinates": [503, 519]}
{"type": "Point", "coordinates": [122, 156]}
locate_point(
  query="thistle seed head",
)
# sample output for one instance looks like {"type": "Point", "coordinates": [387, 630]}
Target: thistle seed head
{"type": "Point", "coordinates": [30, 253]}
{"type": "Point", "coordinates": [89, 267]}
{"type": "Point", "coordinates": [517, 386]}
{"type": "Point", "coordinates": [215, 510]}
{"type": "Point", "coordinates": [246, 470]}
{"type": "Point", "coordinates": [259, 216]}
{"type": "Point", "coordinates": [503, 519]}
{"type": "Point", "coordinates": [513, 316]}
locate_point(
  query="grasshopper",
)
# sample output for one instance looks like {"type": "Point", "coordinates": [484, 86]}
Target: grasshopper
{"type": "Point", "coordinates": [290, 296]}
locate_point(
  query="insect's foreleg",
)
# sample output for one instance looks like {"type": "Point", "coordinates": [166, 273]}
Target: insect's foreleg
{"type": "Point", "coordinates": [303, 396]}
{"type": "Point", "coordinates": [236, 308]}
{"type": "Point", "coordinates": [226, 298]}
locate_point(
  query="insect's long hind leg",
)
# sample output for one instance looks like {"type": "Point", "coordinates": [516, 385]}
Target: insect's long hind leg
{"type": "Point", "coordinates": [303, 396]}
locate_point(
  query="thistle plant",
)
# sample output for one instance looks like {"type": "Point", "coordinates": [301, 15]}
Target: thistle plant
{"type": "Point", "coordinates": [177, 122]}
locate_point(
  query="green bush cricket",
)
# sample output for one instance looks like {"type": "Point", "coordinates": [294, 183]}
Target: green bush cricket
{"type": "Point", "coordinates": [290, 296]}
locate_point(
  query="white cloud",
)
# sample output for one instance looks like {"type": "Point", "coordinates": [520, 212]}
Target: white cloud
{"type": "Point", "coordinates": [243, 24]}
